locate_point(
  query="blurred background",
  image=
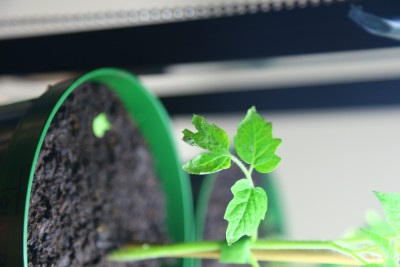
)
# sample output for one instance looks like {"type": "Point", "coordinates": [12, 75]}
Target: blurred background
{"type": "Point", "coordinates": [330, 88]}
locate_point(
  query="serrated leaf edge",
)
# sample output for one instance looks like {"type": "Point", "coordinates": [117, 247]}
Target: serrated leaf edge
{"type": "Point", "coordinates": [237, 222]}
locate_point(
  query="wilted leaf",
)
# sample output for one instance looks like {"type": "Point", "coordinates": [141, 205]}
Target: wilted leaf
{"type": "Point", "coordinates": [209, 136]}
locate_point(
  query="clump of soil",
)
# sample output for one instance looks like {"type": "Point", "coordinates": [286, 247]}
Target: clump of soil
{"type": "Point", "coordinates": [91, 195]}
{"type": "Point", "coordinates": [215, 225]}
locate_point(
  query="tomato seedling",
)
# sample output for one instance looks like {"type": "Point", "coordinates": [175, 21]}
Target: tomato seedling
{"type": "Point", "coordinates": [376, 244]}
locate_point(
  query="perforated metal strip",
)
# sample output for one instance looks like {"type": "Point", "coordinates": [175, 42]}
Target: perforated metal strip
{"type": "Point", "coordinates": [12, 27]}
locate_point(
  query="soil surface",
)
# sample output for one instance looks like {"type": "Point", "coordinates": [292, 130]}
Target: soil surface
{"type": "Point", "coordinates": [91, 195]}
{"type": "Point", "coordinates": [215, 225]}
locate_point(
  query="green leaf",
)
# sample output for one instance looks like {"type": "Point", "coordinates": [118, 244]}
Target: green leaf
{"type": "Point", "coordinates": [387, 246]}
{"type": "Point", "coordinates": [212, 138]}
{"type": "Point", "coordinates": [209, 136]}
{"type": "Point", "coordinates": [254, 142]}
{"type": "Point", "coordinates": [377, 224]}
{"type": "Point", "coordinates": [238, 253]}
{"type": "Point", "coordinates": [390, 203]}
{"type": "Point", "coordinates": [245, 211]}
{"type": "Point", "coordinates": [207, 163]}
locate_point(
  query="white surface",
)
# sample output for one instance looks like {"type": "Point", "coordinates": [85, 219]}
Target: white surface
{"type": "Point", "coordinates": [332, 161]}
{"type": "Point", "coordinates": [14, 89]}
{"type": "Point", "coordinates": [290, 71]}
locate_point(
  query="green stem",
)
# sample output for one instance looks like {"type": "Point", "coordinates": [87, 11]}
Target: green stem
{"type": "Point", "coordinates": [349, 252]}
{"type": "Point", "coordinates": [305, 251]}
{"type": "Point", "coordinates": [146, 251]}
{"type": "Point", "coordinates": [246, 172]}
{"type": "Point", "coordinates": [370, 249]}
{"type": "Point", "coordinates": [251, 168]}
{"type": "Point", "coordinates": [307, 245]}
{"type": "Point", "coordinates": [253, 261]}
{"type": "Point", "coordinates": [254, 236]}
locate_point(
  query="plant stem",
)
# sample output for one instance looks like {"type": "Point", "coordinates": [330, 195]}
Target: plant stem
{"type": "Point", "coordinates": [146, 251]}
{"type": "Point", "coordinates": [246, 172]}
{"type": "Point", "coordinates": [307, 245]}
{"type": "Point", "coordinates": [253, 261]}
{"type": "Point", "coordinates": [284, 251]}
{"type": "Point", "coordinates": [350, 253]}
{"type": "Point", "coordinates": [251, 168]}
{"type": "Point", "coordinates": [254, 236]}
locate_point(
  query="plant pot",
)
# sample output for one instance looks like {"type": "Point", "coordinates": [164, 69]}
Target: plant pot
{"type": "Point", "coordinates": [214, 192]}
{"type": "Point", "coordinates": [23, 129]}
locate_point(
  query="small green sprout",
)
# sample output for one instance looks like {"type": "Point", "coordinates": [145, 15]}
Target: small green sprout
{"type": "Point", "coordinates": [100, 125]}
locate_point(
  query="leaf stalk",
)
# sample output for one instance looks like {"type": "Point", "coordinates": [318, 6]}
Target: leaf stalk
{"type": "Point", "coordinates": [242, 167]}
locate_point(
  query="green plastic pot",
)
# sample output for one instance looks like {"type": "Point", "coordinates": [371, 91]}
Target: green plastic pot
{"type": "Point", "coordinates": [23, 127]}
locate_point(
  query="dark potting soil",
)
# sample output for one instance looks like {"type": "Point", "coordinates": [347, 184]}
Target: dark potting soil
{"type": "Point", "coordinates": [215, 225]}
{"type": "Point", "coordinates": [91, 195]}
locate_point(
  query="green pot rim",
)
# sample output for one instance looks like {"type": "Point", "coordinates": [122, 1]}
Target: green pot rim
{"type": "Point", "coordinates": [150, 117]}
